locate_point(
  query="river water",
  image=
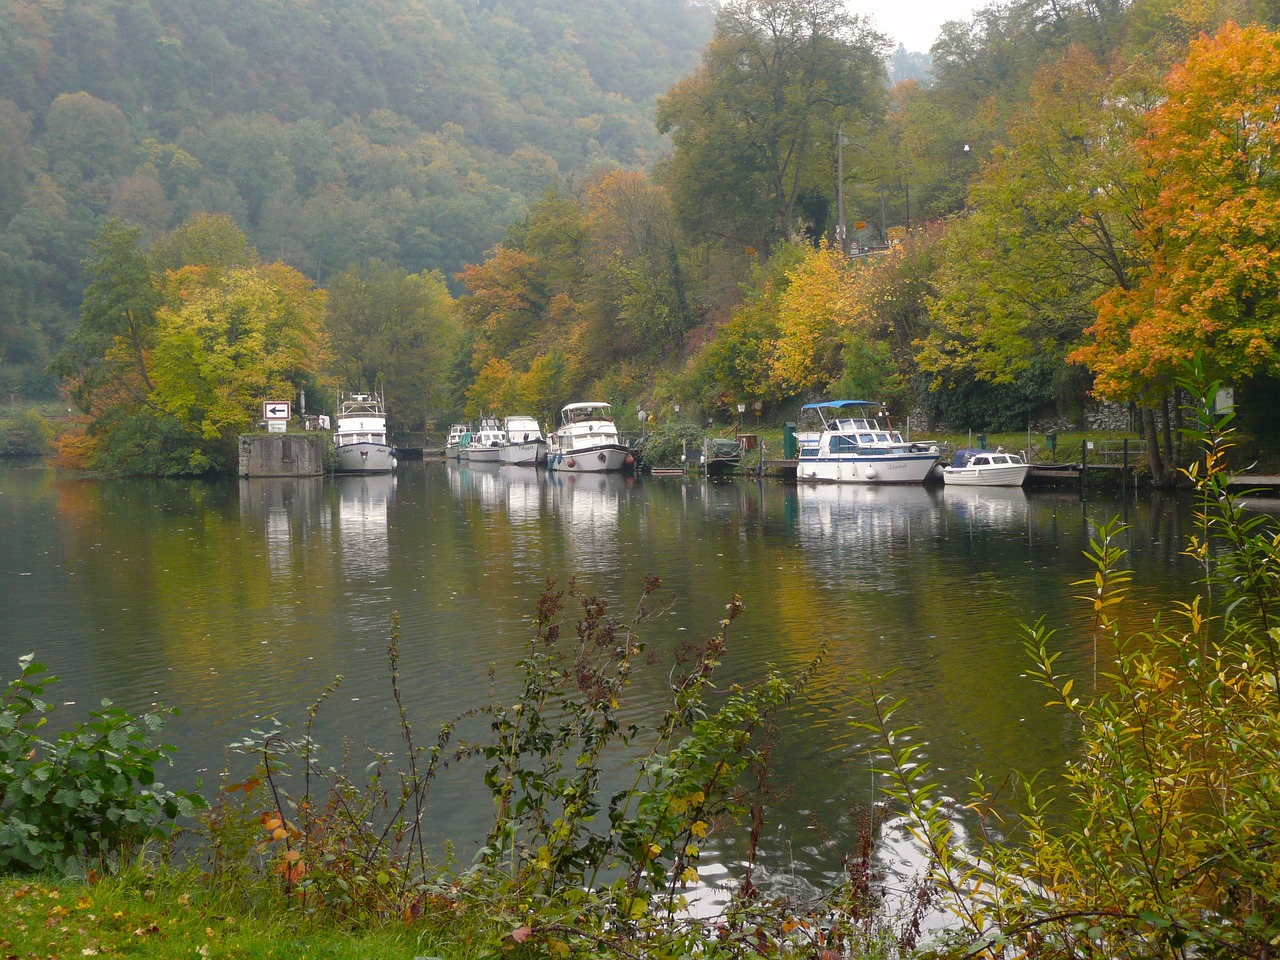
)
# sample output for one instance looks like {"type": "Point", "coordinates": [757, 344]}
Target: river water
{"type": "Point", "coordinates": [242, 601]}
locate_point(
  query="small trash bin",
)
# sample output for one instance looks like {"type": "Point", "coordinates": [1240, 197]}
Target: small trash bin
{"type": "Point", "coordinates": [748, 441]}
{"type": "Point", "coordinates": [1051, 442]}
{"type": "Point", "coordinates": [790, 446]}
{"type": "Point", "coordinates": [982, 441]}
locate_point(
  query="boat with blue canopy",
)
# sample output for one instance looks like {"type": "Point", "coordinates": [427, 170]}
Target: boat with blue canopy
{"type": "Point", "coordinates": [844, 441]}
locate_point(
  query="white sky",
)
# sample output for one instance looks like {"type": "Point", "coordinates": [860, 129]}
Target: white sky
{"type": "Point", "coordinates": [914, 23]}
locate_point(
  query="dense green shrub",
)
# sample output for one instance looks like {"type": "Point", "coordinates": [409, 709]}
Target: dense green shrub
{"type": "Point", "coordinates": [26, 435]}
{"type": "Point", "coordinates": [667, 442]}
{"type": "Point", "coordinates": [86, 800]}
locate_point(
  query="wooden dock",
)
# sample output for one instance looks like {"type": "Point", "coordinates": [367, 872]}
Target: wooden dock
{"type": "Point", "coordinates": [1254, 482]}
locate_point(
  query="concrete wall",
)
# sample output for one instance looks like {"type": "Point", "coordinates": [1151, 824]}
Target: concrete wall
{"type": "Point", "coordinates": [283, 455]}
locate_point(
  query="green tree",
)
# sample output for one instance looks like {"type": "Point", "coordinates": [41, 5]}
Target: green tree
{"type": "Point", "coordinates": [1051, 226]}
{"type": "Point", "coordinates": [109, 349]}
{"type": "Point", "coordinates": [754, 128]}
{"type": "Point", "coordinates": [396, 330]}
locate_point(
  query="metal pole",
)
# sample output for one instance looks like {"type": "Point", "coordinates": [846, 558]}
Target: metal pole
{"type": "Point", "coordinates": [841, 231]}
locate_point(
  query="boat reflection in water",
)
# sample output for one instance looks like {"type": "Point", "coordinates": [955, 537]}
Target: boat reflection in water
{"type": "Point", "coordinates": [363, 504]}
{"type": "Point", "coordinates": [857, 524]}
{"type": "Point", "coordinates": [990, 506]}
{"type": "Point", "coordinates": [523, 487]}
{"type": "Point", "coordinates": [477, 481]}
{"type": "Point", "coordinates": [587, 504]}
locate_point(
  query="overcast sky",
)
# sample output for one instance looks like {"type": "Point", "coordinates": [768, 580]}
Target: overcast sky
{"type": "Point", "coordinates": [914, 23]}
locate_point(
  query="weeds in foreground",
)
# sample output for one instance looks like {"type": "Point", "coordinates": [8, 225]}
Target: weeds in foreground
{"type": "Point", "coordinates": [1169, 843]}
{"type": "Point", "coordinates": [578, 860]}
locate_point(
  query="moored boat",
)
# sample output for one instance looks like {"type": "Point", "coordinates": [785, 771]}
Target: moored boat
{"type": "Point", "coordinates": [485, 443]}
{"type": "Point", "coordinates": [526, 445]}
{"type": "Point", "coordinates": [721, 456]}
{"type": "Point", "coordinates": [985, 468]}
{"type": "Point", "coordinates": [587, 440]}
{"type": "Point", "coordinates": [453, 443]}
{"type": "Point", "coordinates": [851, 446]}
{"type": "Point", "coordinates": [361, 437]}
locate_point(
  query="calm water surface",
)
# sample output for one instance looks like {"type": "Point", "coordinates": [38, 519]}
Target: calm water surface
{"type": "Point", "coordinates": [242, 601]}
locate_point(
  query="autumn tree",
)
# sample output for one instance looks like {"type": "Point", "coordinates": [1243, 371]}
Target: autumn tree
{"type": "Point", "coordinates": [755, 127]}
{"type": "Point", "coordinates": [1211, 221]}
{"type": "Point", "coordinates": [167, 367]}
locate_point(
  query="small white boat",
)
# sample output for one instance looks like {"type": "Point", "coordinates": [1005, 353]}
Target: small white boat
{"type": "Point", "coordinates": [485, 443]}
{"type": "Point", "coordinates": [453, 443]}
{"type": "Point", "coordinates": [587, 441]}
{"type": "Point", "coordinates": [851, 446]}
{"type": "Point", "coordinates": [985, 468]}
{"type": "Point", "coordinates": [361, 437]}
{"type": "Point", "coordinates": [526, 446]}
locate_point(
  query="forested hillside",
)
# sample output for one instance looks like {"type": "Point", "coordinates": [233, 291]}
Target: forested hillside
{"type": "Point", "coordinates": [332, 132]}
{"type": "Point", "coordinates": [510, 207]}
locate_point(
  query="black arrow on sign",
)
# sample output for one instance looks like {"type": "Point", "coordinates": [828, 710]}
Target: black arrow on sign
{"type": "Point", "coordinates": [276, 411]}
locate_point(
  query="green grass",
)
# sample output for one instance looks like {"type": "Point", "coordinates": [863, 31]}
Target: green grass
{"type": "Point", "coordinates": [165, 915]}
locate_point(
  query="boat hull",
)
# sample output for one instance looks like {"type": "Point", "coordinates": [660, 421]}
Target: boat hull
{"type": "Point", "coordinates": [883, 468]}
{"type": "Point", "coordinates": [524, 453]}
{"type": "Point", "coordinates": [1001, 475]}
{"type": "Point", "coordinates": [481, 454]}
{"type": "Point", "coordinates": [603, 458]}
{"type": "Point", "coordinates": [366, 457]}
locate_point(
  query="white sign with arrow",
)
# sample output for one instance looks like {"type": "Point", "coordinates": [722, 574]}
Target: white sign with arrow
{"type": "Point", "coordinates": [276, 409]}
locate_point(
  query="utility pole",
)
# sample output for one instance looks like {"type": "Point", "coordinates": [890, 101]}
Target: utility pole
{"type": "Point", "coordinates": [841, 232]}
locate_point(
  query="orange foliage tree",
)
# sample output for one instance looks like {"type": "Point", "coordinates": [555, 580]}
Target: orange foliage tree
{"type": "Point", "coordinates": [1212, 224]}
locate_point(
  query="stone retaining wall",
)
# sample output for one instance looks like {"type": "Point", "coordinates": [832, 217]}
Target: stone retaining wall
{"type": "Point", "coordinates": [283, 455]}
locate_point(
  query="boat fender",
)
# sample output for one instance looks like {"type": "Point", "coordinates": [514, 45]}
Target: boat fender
{"type": "Point", "coordinates": [870, 473]}
{"type": "Point", "coordinates": [628, 459]}
{"type": "Point", "coordinates": [571, 463]}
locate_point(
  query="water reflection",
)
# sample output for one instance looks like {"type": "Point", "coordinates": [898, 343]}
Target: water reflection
{"type": "Point", "coordinates": [363, 507]}
{"type": "Point", "coordinates": [988, 506]}
{"type": "Point", "coordinates": [242, 601]}
{"type": "Point", "coordinates": [281, 507]}
{"type": "Point", "coordinates": [587, 504]}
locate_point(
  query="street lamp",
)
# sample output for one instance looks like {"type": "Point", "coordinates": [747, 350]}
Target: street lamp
{"type": "Point", "coordinates": [742, 408]}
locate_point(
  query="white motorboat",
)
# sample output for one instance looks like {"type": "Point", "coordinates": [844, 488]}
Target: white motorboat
{"type": "Point", "coordinates": [851, 446]}
{"type": "Point", "coordinates": [485, 443]}
{"type": "Point", "coordinates": [361, 437]}
{"type": "Point", "coordinates": [526, 446]}
{"type": "Point", "coordinates": [587, 440]}
{"type": "Point", "coordinates": [453, 443]}
{"type": "Point", "coordinates": [985, 468]}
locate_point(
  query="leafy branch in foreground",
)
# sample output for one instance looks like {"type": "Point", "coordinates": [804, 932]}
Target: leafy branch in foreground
{"type": "Point", "coordinates": [1161, 838]}
{"type": "Point", "coordinates": [88, 800]}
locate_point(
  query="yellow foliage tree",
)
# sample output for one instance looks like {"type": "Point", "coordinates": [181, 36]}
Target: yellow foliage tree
{"type": "Point", "coordinates": [227, 341]}
{"type": "Point", "coordinates": [816, 309]}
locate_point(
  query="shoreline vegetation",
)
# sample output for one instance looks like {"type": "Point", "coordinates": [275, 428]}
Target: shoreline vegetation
{"type": "Point", "coordinates": [1159, 841]}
